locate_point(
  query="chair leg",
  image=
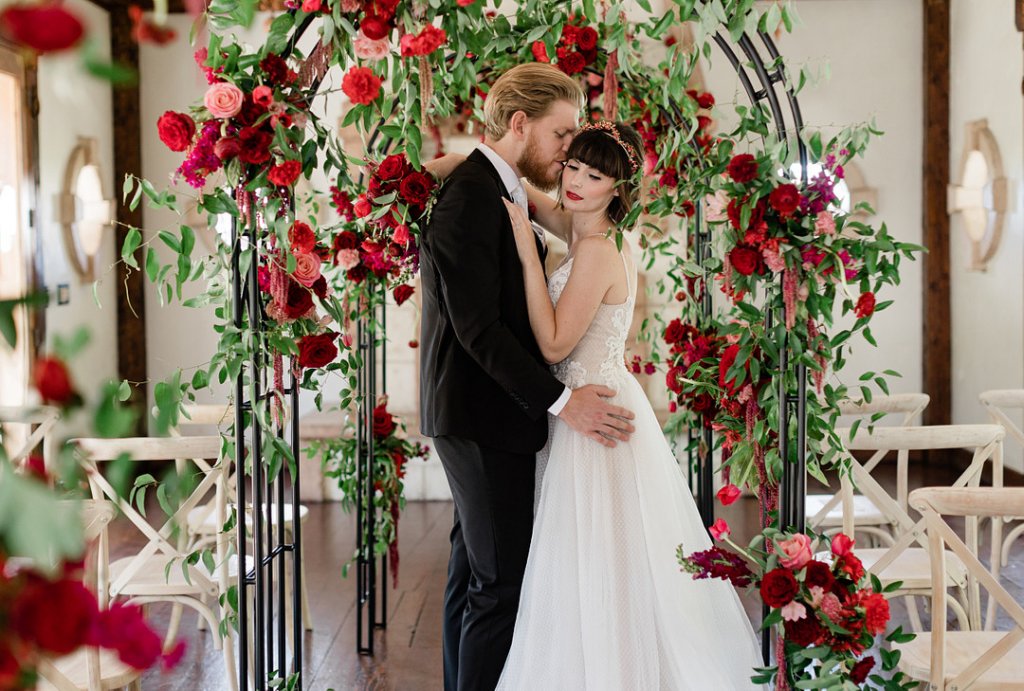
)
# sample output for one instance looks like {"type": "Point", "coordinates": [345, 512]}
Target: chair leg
{"type": "Point", "coordinates": [173, 625]}
{"type": "Point", "coordinates": [307, 616]}
{"type": "Point", "coordinates": [1008, 541]}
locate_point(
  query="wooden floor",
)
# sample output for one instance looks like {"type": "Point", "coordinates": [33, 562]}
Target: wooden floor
{"type": "Point", "coordinates": [408, 656]}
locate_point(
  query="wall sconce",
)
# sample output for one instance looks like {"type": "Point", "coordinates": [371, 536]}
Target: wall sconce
{"type": "Point", "coordinates": [982, 197]}
{"type": "Point", "coordinates": [82, 209]}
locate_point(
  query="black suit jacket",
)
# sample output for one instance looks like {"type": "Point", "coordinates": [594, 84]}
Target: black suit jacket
{"type": "Point", "coordinates": [482, 376]}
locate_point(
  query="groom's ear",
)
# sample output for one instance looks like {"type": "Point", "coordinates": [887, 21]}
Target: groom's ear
{"type": "Point", "coordinates": [517, 123]}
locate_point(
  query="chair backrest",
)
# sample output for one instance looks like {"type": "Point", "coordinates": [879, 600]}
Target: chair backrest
{"type": "Point", "coordinates": [997, 402]}
{"type": "Point", "coordinates": [972, 503]}
{"type": "Point", "coordinates": [219, 415]}
{"type": "Point", "coordinates": [39, 421]}
{"type": "Point", "coordinates": [204, 451]}
{"type": "Point", "coordinates": [985, 440]}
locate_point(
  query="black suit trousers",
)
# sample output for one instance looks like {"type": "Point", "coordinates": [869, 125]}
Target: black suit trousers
{"type": "Point", "coordinates": [493, 493]}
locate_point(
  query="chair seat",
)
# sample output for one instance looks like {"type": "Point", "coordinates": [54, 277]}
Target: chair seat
{"type": "Point", "coordinates": [962, 649]}
{"type": "Point", "coordinates": [913, 567]}
{"type": "Point", "coordinates": [202, 520]}
{"type": "Point", "coordinates": [154, 578]}
{"type": "Point", "coordinates": [114, 673]}
{"type": "Point", "coordinates": [864, 510]}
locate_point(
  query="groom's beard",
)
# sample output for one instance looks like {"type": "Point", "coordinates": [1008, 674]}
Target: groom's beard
{"type": "Point", "coordinates": [539, 173]}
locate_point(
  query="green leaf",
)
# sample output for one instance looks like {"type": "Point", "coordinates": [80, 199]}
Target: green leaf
{"type": "Point", "coordinates": [131, 243]}
{"type": "Point", "coordinates": [124, 391]}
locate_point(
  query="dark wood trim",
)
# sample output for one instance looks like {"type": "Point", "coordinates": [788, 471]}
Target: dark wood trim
{"type": "Point", "coordinates": [131, 298]}
{"type": "Point", "coordinates": [936, 312]}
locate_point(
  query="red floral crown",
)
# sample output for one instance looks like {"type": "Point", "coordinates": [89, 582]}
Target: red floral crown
{"type": "Point", "coordinates": [612, 131]}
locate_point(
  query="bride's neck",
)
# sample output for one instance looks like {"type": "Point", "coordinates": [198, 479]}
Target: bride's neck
{"type": "Point", "coordinates": [592, 223]}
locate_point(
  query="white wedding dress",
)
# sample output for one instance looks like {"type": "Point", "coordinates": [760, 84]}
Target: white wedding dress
{"type": "Point", "coordinates": [604, 604]}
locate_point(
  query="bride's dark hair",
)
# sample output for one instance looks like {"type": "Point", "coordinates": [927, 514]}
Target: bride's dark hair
{"type": "Point", "coordinates": [616, 150]}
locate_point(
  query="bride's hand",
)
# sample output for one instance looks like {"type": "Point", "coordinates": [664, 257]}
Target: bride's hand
{"type": "Point", "coordinates": [442, 167]}
{"type": "Point", "coordinates": [523, 229]}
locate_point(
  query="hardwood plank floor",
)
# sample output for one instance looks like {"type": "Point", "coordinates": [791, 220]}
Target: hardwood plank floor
{"type": "Point", "coordinates": [408, 652]}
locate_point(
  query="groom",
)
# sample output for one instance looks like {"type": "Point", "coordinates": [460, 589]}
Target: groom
{"type": "Point", "coordinates": [485, 389]}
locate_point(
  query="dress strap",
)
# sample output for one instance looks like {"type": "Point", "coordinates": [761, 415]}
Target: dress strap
{"type": "Point", "coordinates": [625, 266]}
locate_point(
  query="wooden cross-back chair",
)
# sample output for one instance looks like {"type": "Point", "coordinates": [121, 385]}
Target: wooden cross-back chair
{"type": "Point", "coordinates": [825, 511]}
{"type": "Point", "coordinates": [975, 660]}
{"type": "Point", "coordinates": [906, 560]}
{"type": "Point", "coordinates": [40, 421]}
{"type": "Point", "coordinates": [159, 571]}
{"type": "Point", "coordinates": [997, 403]}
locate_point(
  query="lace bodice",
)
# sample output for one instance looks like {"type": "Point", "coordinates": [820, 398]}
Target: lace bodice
{"type": "Point", "coordinates": [599, 357]}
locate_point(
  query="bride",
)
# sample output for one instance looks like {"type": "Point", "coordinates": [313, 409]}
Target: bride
{"type": "Point", "coordinates": [603, 604]}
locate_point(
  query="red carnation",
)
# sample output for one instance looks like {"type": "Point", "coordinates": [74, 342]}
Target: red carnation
{"type": "Point", "coordinates": [301, 237]}
{"type": "Point", "coordinates": [44, 28]}
{"type": "Point", "coordinates": [851, 566]}
{"type": "Point", "coordinates": [416, 188]}
{"type": "Point", "coordinates": [779, 587]}
{"type": "Point", "coordinates": [805, 632]}
{"type": "Point", "coordinates": [745, 259]}
{"type": "Point", "coordinates": [861, 670]}
{"type": "Point", "coordinates": [53, 381]}
{"type": "Point", "coordinates": [876, 613]}
{"type": "Point", "coordinates": [56, 616]}
{"type": "Point", "coordinates": [403, 293]}
{"type": "Point", "coordinates": [276, 69]}
{"type": "Point", "coordinates": [675, 332]}
{"type": "Point", "coordinates": [424, 43]}
{"type": "Point", "coordinates": [361, 85]}
{"type": "Point", "coordinates": [540, 51]}
{"type": "Point", "coordinates": [176, 130]}
{"type": "Point", "coordinates": [255, 145]}
{"type": "Point", "coordinates": [785, 199]}
{"type": "Point", "coordinates": [317, 351]}
{"type": "Point", "coordinates": [865, 305]}
{"type": "Point", "coordinates": [586, 39]}
{"type": "Point", "coordinates": [284, 174]}
{"type": "Point", "coordinates": [742, 168]}
{"type": "Point", "coordinates": [383, 422]}
{"type": "Point", "coordinates": [573, 63]}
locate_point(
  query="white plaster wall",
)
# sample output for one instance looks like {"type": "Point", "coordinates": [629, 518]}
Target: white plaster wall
{"type": "Point", "coordinates": [988, 308]}
{"type": "Point", "coordinates": [71, 105]}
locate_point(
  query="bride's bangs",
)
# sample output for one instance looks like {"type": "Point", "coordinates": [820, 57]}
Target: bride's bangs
{"type": "Point", "coordinates": [599, 151]}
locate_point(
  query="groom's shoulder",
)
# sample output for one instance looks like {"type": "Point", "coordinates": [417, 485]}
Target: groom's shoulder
{"type": "Point", "coordinates": [473, 177]}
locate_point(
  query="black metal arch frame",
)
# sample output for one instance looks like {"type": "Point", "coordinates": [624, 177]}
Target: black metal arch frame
{"type": "Point", "coordinates": [272, 552]}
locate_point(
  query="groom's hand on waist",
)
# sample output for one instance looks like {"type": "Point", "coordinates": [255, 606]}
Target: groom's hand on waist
{"type": "Point", "coordinates": [588, 413]}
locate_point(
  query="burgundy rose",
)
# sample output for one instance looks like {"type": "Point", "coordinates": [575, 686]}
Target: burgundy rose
{"type": "Point", "coordinates": [586, 39]}
{"type": "Point", "coordinates": [860, 671]}
{"type": "Point", "coordinates": [360, 84]}
{"type": "Point", "coordinates": [805, 632]}
{"type": "Point", "coordinates": [779, 587]}
{"type": "Point", "coordinates": [393, 167]}
{"type": "Point", "coordinates": [299, 300]}
{"type": "Point", "coordinates": [53, 381]}
{"type": "Point", "coordinates": [735, 209]}
{"type": "Point", "coordinates": [726, 363]}
{"type": "Point", "coordinates": [317, 351]}
{"type": "Point", "coordinates": [785, 199]}
{"type": "Point", "coordinates": [706, 100]}
{"type": "Point", "coordinates": [865, 306]}
{"type": "Point", "coordinates": [675, 332]}
{"type": "Point", "coordinates": [403, 293]}
{"type": "Point", "coordinates": [227, 148]}
{"type": "Point", "coordinates": [818, 574]}
{"type": "Point", "coordinates": [572, 63]}
{"type": "Point", "coordinates": [276, 69]}
{"type": "Point", "coordinates": [255, 145]}
{"type": "Point", "coordinates": [319, 287]}
{"type": "Point", "coordinates": [745, 259]}
{"type": "Point", "coordinates": [673, 381]}
{"type": "Point", "coordinates": [357, 274]}
{"type": "Point", "coordinates": [416, 188]}
{"type": "Point", "coordinates": [702, 403]}
{"type": "Point", "coordinates": [742, 168]}
{"type": "Point", "coordinates": [689, 209]}
{"type": "Point", "coordinates": [669, 178]}
{"type": "Point", "coordinates": [55, 615]}
{"type": "Point", "coordinates": [383, 422]}
{"type": "Point", "coordinates": [176, 130]}
{"type": "Point", "coordinates": [346, 240]}
{"type": "Point", "coordinates": [375, 27]}
{"type": "Point", "coordinates": [45, 28]}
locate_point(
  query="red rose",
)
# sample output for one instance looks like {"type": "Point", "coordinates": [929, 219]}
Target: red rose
{"type": "Point", "coordinates": [706, 100]}
{"type": "Point", "coordinates": [668, 178]}
{"type": "Point", "coordinates": [742, 168]}
{"type": "Point", "coordinates": [176, 130]}
{"type": "Point", "coordinates": [53, 381]}
{"type": "Point", "coordinates": [779, 587]}
{"type": "Point", "coordinates": [689, 209]}
{"type": "Point", "coordinates": [227, 148]}
{"type": "Point", "coordinates": [383, 422]}
{"type": "Point", "coordinates": [876, 613]}
{"type": "Point", "coordinates": [586, 39]}
{"type": "Point", "coordinates": [317, 351]}
{"type": "Point", "coordinates": [403, 293]}
{"type": "Point", "coordinates": [744, 259]}
{"type": "Point", "coordinates": [424, 43]}
{"type": "Point", "coordinates": [865, 305]}
{"type": "Point", "coordinates": [284, 174]}
{"type": "Point", "coordinates": [55, 615]}
{"type": "Point", "coordinates": [393, 167]}
{"type": "Point", "coordinates": [702, 404]}
{"type": "Point", "coordinates": [734, 210]}
{"type": "Point", "coordinates": [540, 51]}
{"type": "Point", "coordinates": [255, 145]}
{"type": "Point", "coordinates": [675, 332]}
{"type": "Point", "coordinates": [673, 381]}
{"type": "Point", "coordinates": [357, 274]}
{"type": "Point", "coordinates": [361, 85]}
{"type": "Point", "coordinates": [416, 188]}
{"type": "Point", "coordinates": [728, 359]}
{"type": "Point", "coordinates": [299, 300]}
{"type": "Point", "coordinates": [805, 632]}
{"type": "Point", "coordinates": [375, 27]}
{"type": "Point", "coordinates": [362, 208]}
{"type": "Point", "coordinates": [346, 240]}
{"type": "Point", "coordinates": [572, 63]}
{"type": "Point", "coordinates": [728, 494]}
{"type": "Point", "coordinates": [849, 565]}
{"type": "Point", "coordinates": [842, 544]}
{"type": "Point", "coordinates": [861, 670]}
{"type": "Point", "coordinates": [301, 237]}
{"type": "Point", "coordinates": [45, 28]}
{"type": "Point", "coordinates": [818, 574]}
{"type": "Point", "coordinates": [785, 199]}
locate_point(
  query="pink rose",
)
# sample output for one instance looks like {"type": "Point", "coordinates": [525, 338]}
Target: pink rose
{"type": "Point", "coordinates": [719, 529]}
{"type": "Point", "coordinates": [347, 259]}
{"type": "Point", "coordinates": [307, 268]}
{"type": "Point", "coordinates": [223, 100]}
{"type": "Point", "coordinates": [797, 551]}
{"type": "Point", "coordinates": [368, 49]}
{"type": "Point", "coordinates": [842, 545]}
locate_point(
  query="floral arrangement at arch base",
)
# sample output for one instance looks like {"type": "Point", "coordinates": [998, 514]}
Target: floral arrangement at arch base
{"type": "Point", "coordinates": [828, 612]}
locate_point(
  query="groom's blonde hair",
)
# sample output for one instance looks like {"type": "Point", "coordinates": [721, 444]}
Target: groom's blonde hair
{"type": "Point", "coordinates": [532, 88]}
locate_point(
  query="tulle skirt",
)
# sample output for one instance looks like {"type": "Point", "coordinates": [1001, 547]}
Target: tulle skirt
{"type": "Point", "coordinates": [604, 603]}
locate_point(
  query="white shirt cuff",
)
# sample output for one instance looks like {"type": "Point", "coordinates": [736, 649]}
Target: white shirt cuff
{"type": "Point", "coordinates": [557, 406]}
